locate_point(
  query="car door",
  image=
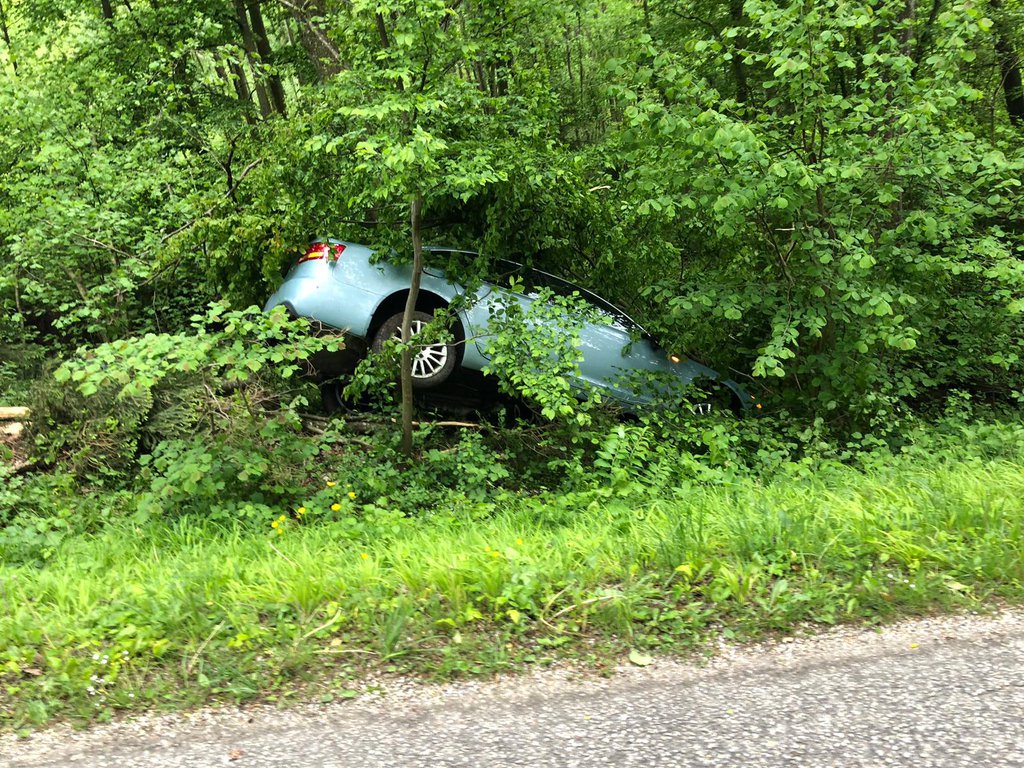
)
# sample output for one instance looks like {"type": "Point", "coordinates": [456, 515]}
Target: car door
{"type": "Point", "coordinates": [493, 298]}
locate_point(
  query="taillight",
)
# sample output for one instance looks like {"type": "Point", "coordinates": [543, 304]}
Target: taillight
{"type": "Point", "coordinates": [329, 251]}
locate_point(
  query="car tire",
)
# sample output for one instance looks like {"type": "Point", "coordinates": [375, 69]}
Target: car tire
{"type": "Point", "coordinates": [719, 399]}
{"type": "Point", "coordinates": [331, 396]}
{"type": "Point", "coordinates": [431, 365]}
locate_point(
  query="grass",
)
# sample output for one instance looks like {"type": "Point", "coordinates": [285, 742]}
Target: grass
{"type": "Point", "coordinates": [172, 615]}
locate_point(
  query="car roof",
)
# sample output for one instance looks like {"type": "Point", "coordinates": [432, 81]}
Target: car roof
{"type": "Point", "coordinates": [594, 298]}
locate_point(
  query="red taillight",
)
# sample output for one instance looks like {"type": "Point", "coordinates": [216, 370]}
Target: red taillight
{"type": "Point", "coordinates": [329, 251]}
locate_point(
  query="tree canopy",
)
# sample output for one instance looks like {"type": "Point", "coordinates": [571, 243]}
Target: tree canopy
{"type": "Point", "coordinates": [822, 196]}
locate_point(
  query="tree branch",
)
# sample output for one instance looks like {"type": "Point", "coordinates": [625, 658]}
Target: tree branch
{"type": "Point", "coordinates": [241, 177]}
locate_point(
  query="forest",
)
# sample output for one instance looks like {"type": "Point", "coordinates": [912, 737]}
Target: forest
{"type": "Point", "coordinates": [821, 199]}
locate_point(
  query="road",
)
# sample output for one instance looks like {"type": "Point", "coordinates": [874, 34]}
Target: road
{"type": "Point", "coordinates": [933, 692]}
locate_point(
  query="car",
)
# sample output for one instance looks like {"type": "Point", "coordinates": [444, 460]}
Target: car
{"type": "Point", "coordinates": [344, 287]}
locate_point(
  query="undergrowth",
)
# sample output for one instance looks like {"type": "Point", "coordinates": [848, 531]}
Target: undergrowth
{"type": "Point", "coordinates": [187, 531]}
{"type": "Point", "coordinates": [176, 610]}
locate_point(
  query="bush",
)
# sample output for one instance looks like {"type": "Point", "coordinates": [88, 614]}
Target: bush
{"type": "Point", "coordinates": [99, 412]}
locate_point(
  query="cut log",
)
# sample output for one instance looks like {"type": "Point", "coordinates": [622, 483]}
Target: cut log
{"type": "Point", "coordinates": [8, 413]}
{"type": "Point", "coordinates": [12, 430]}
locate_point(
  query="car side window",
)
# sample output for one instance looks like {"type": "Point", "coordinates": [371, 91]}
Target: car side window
{"type": "Point", "coordinates": [504, 273]}
{"type": "Point", "coordinates": [537, 279]}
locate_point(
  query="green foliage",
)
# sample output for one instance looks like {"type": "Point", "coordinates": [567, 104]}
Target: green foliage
{"type": "Point", "coordinates": [534, 351]}
{"type": "Point", "coordinates": [111, 403]}
{"type": "Point", "coordinates": [826, 198]}
{"type": "Point", "coordinates": [185, 612]}
{"type": "Point", "coordinates": [857, 234]}
{"type": "Point", "coordinates": [822, 199]}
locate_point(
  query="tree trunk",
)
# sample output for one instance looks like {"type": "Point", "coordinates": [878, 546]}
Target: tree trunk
{"type": "Point", "coordinates": [924, 39]}
{"type": "Point", "coordinates": [385, 42]}
{"type": "Point", "coordinates": [266, 55]}
{"type": "Point", "coordinates": [7, 36]}
{"type": "Point", "coordinates": [739, 71]}
{"type": "Point", "coordinates": [107, 9]}
{"type": "Point", "coordinates": [416, 211]}
{"type": "Point", "coordinates": [907, 17]}
{"type": "Point", "coordinates": [1009, 69]}
{"type": "Point", "coordinates": [237, 81]}
{"type": "Point", "coordinates": [321, 51]}
{"type": "Point", "coordinates": [249, 44]}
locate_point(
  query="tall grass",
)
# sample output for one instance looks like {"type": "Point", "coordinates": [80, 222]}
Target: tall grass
{"type": "Point", "coordinates": [186, 612]}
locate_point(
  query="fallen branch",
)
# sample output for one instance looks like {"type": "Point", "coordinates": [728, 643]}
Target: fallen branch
{"type": "Point", "coordinates": [364, 424]}
{"type": "Point", "coordinates": [466, 424]}
{"type": "Point", "coordinates": [202, 647]}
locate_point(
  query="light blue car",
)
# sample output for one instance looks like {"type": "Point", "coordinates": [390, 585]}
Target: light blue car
{"type": "Point", "coordinates": [338, 284]}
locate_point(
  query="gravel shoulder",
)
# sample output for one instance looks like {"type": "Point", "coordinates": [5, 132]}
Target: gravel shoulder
{"type": "Point", "coordinates": [928, 692]}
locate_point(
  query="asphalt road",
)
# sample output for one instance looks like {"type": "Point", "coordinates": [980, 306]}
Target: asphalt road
{"type": "Point", "coordinates": [934, 692]}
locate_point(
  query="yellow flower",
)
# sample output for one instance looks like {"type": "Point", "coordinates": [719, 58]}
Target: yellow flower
{"type": "Point", "coordinates": [275, 524]}
{"type": "Point", "coordinates": [331, 483]}
{"type": "Point", "coordinates": [495, 553]}
{"type": "Point", "coordinates": [351, 494]}
{"type": "Point", "coordinates": [335, 507]}
{"type": "Point", "coordinates": [519, 542]}
{"type": "Point", "coordinates": [365, 556]}
{"type": "Point", "coordinates": [300, 510]}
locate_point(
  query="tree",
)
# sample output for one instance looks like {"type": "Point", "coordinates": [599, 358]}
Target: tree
{"type": "Point", "coordinates": [837, 230]}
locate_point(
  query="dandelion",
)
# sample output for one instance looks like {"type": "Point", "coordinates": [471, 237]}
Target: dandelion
{"type": "Point", "coordinates": [300, 510]}
{"type": "Point", "coordinates": [519, 542]}
{"type": "Point", "coordinates": [335, 506]}
{"type": "Point", "coordinates": [351, 494]}
{"type": "Point", "coordinates": [331, 483]}
{"type": "Point", "coordinates": [365, 556]}
{"type": "Point", "coordinates": [275, 524]}
{"type": "Point", "coordinates": [495, 553]}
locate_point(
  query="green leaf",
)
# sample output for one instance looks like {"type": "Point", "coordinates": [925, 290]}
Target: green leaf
{"type": "Point", "coordinates": [640, 659]}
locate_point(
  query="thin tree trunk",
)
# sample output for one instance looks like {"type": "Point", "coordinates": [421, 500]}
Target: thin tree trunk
{"type": "Point", "coordinates": [321, 51]}
{"type": "Point", "coordinates": [385, 42]}
{"type": "Point", "coordinates": [1009, 70]}
{"type": "Point", "coordinates": [7, 37]}
{"type": "Point", "coordinates": [924, 39]}
{"type": "Point", "coordinates": [579, 36]}
{"type": "Point", "coordinates": [739, 71]}
{"type": "Point", "coordinates": [382, 32]}
{"type": "Point", "coordinates": [907, 19]}
{"type": "Point", "coordinates": [416, 211]}
{"type": "Point", "coordinates": [107, 9]}
{"type": "Point", "coordinates": [266, 55]}
{"type": "Point", "coordinates": [249, 44]}
{"type": "Point", "coordinates": [236, 82]}
{"type": "Point", "coordinates": [481, 77]}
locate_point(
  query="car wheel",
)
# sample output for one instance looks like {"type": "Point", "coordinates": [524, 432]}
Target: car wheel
{"type": "Point", "coordinates": [717, 400]}
{"type": "Point", "coordinates": [432, 364]}
{"type": "Point", "coordinates": [331, 396]}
